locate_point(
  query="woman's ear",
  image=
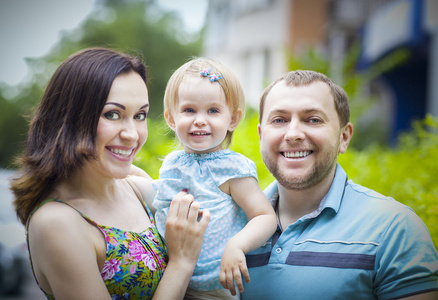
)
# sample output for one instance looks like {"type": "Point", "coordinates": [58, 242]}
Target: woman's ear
{"type": "Point", "coordinates": [235, 120]}
{"type": "Point", "coordinates": [169, 119]}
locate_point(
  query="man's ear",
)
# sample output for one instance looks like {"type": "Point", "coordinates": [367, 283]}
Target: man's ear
{"type": "Point", "coordinates": [169, 119]}
{"type": "Point", "coordinates": [345, 138]}
{"type": "Point", "coordinates": [235, 120]}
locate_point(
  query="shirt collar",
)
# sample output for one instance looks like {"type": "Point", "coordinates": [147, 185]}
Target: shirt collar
{"type": "Point", "coordinates": [331, 200]}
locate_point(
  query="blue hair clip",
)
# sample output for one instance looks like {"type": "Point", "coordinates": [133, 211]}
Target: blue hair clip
{"type": "Point", "coordinates": [213, 77]}
{"type": "Point", "coordinates": [206, 71]}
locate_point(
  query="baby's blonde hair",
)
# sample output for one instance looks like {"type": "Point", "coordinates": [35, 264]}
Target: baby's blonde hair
{"type": "Point", "coordinates": [230, 85]}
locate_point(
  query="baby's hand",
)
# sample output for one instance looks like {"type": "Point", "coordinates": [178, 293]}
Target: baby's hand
{"type": "Point", "coordinates": [233, 264]}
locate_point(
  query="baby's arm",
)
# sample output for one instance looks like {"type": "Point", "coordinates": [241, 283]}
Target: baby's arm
{"type": "Point", "coordinates": [262, 223]}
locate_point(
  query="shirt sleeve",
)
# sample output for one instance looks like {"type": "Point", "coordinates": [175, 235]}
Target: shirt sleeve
{"type": "Point", "coordinates": [407, 259]}
{"type": "Point", "coordinates": [230, 166]}
{"type": "Point", "coordinates": [170, 181]}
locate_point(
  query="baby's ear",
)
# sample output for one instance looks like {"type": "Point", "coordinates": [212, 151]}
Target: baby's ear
{"type": "Point", "coordinates": [235, 121]}
{"type": "Point", "coordinates": [169, 119]}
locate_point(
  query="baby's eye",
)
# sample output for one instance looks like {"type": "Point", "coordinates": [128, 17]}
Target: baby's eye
{"type": "Point", "coordinates": [213, 111]}
{"type": "Point", "coordinates": [189, 110]}
{"type": "Point", "coordinates": [141, 116]}
{"type": "Point", "coordinates": [112, 115]}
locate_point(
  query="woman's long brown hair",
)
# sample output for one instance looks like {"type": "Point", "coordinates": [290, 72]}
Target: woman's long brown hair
{"type": "Point", "coordinates": [62, 132]}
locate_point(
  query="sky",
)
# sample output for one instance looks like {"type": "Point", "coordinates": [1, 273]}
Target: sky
{"type": "Point", "coordinates": [30, 28]}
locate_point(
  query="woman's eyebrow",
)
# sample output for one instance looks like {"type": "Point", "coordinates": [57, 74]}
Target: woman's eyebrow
{"type": "Point", "coordinates": [116, 104]}
{"type": "Point", "coordinates": [123, 107]}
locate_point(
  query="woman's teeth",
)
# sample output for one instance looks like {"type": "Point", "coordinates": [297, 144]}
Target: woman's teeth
{"type": "Point", "coordinates": [121, 152]}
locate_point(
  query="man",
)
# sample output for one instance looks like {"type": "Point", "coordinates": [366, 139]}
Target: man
{"type": "Point", "coordinates": [335, 239]}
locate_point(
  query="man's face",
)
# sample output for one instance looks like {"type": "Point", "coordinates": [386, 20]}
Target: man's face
{"type": "Point", "coordinates": [300, 135]}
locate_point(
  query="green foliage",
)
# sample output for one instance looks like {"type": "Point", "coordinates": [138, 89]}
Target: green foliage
{"type": "Point", "coordinates": [13, 123]}
{"type": "Point", "coordinates": [160, 142]}
{"type": "Point", "coordinates": [406, 173]}
{"type": "Point", "coordinates": [246, 142]}
{"type": "Point", "coordinates": [139, 27]}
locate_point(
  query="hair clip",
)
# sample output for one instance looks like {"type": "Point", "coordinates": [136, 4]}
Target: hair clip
{"type": "Point", "coordinates": [206, 71]}
{"type": "Point", "coordinates": [213, 77]}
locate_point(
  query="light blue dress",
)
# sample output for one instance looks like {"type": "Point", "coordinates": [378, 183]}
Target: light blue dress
{"type": "Point", "coordinates": [201, 175]}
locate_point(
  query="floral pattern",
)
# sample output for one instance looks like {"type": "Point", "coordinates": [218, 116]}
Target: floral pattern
{"type": "Point", "coordinates": [135, 262]}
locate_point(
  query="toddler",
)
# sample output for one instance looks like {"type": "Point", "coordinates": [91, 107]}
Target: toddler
{"type": "Point", "coordinates": [203, 104]}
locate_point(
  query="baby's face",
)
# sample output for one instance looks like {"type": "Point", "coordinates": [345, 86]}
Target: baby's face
{"type": "Point", "coordinates": [201, 119]}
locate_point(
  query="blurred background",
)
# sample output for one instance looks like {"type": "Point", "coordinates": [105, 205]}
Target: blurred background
{"type": "Point", "coordinates": [383, 52]}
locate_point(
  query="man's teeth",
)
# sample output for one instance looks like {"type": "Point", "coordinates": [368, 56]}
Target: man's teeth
{"type": "Point", "coordinates": [121, 152]}
{"type": "Point", "coordinates": [296, 154]}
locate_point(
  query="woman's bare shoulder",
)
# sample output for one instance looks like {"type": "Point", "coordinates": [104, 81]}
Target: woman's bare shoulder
{"type": "Point", "coordinates": [144, 185]}
{"type": "Point", "coordinates": [63, 245]}
{"type": "Point", "coordinates": [53, 217]}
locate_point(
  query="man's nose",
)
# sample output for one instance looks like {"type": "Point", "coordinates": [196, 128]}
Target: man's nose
{"type": "Point", "coordinates": [295, 131]}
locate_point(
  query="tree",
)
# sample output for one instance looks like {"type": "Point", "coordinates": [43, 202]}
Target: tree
{"type": "Point", "coordinates": [139, 27]}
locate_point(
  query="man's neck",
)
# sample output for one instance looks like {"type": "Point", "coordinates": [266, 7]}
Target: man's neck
{"type": "Point", "coordinates": [293, 204]}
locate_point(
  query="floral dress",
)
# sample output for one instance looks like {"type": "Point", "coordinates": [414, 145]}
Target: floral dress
{"type": "Point", "coordinates": [135, 262]}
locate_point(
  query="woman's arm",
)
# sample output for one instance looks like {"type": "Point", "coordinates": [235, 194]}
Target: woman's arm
{"type": "Point", "coordinates": [184, 236]}
{"type": "Point", "coordinates": [63, 249]}
{"type": "Point", "coordinates": [262, 223]}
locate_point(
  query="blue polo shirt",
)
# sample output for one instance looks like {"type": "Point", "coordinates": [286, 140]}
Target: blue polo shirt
{"type": "Point", "coordinates": [357, 245]}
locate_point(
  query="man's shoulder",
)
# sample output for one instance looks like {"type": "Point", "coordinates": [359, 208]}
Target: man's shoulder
{"type": "Point", "coordinates": [368, 200]}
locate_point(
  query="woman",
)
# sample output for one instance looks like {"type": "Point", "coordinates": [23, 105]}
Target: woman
{"type": "Point", "coordinates": [90, 232]}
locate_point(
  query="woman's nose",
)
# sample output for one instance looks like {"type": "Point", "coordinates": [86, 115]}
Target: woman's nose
{"type": "Point", "coordinates": [129, 132]}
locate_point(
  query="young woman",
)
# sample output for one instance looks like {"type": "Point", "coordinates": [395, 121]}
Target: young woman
{"type": "Point", "coordinates": [90, 233]}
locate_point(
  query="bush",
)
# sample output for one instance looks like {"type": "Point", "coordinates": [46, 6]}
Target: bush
{"type": "Point", "coordinates": [407, 172]}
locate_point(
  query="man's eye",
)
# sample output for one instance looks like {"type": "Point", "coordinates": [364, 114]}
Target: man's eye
{"type": "Point", "coordinates": [278, 120]}
{"type": "Point", "coordinates": [112, 115]}
{"type": "Point", "coordinates": [141, 116]}
{"type": "Point", "coordinates": [315, 121]}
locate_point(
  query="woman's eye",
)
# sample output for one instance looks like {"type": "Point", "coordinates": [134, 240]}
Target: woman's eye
{"type": "Point", "coordinates": [112, 115]}
{"type": "Point", "coordinates": [141, 116]}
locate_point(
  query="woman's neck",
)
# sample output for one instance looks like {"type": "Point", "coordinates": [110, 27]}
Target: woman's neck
{"type": "Point", "coordinates": [86, 183]}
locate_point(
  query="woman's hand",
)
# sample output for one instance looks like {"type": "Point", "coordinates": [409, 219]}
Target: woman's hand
{"type": "Point", "coordinates": [185, 228]}
{"type": "Point", "coordinates": [184, 234]}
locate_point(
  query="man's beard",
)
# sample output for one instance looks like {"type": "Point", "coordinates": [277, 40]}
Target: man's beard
{"type": "Point", "coordinates": [321, 169]}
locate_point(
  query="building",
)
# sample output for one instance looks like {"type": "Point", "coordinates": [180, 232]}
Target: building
{"type": "Point", "coordinates": [256, 37]}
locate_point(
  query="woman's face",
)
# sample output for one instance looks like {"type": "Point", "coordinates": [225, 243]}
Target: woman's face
{"type": "Point", "coordinates": [122, 128]}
